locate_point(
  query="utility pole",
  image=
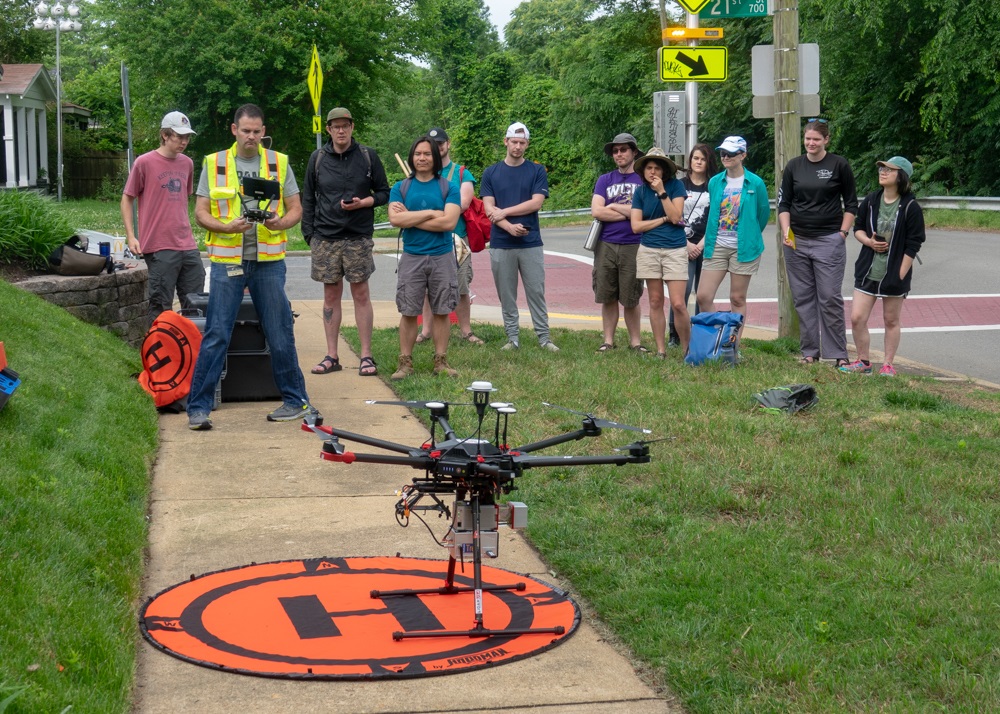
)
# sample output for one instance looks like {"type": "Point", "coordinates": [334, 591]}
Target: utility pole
{"type": "Point", "coordinates": [786, 135]}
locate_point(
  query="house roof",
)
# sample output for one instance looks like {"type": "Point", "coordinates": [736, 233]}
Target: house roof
{"type": "Point", "coordinates": [28, 81]}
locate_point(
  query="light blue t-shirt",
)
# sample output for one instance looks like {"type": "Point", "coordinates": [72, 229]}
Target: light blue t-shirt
{"type": "Point", "coordinates": [424, 196]}
{"type": "Point", "coordinates": [466, 175]}
{"type": "Point", "coordinates": [668, 235]}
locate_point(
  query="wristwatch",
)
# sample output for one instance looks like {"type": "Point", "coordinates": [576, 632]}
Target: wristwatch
{"type": "Point", "coordinates": [662, 195]}
{"type": "Point", "coordinates": [844, 233]}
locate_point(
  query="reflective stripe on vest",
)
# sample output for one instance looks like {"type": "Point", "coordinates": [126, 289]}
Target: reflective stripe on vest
{"type": "Point", "coordinates": [221, 172]}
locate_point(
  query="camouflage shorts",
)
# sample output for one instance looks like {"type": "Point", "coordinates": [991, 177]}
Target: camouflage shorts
{"type": "Point", "coordinates": [334, 260]}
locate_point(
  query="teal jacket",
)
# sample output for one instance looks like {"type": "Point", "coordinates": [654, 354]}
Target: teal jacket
{"type": "Point", "coordinates": [754, 212]}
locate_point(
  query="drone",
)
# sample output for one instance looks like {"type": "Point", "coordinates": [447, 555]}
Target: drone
{"type": "Point", "coordinates": [476, 471]}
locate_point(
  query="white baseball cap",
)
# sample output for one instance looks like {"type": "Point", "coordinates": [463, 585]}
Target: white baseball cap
{"type": "Point", "coordinates": [734, 145]}
{"type": "Point", "coordinates": [178, 123]}
{"type": "Point", "coordinates": [517, 130]}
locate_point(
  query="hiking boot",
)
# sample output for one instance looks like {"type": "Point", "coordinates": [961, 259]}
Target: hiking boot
{"type": "Point", "coordinates": [290, 412]}
{"type": "Point", "coordinates": [441, 366]}
{"type": "Point", "coordinates": [856, 367]}
{"type": "Point", "coordinates": [550, 346]}
{"type": "Point", "coordinates": [199, 422]}
{"type": "Point", "coordinates": [887, 371]}
{"type": "Point", "coordinates": [405, 368]}
{"type": "Point", "coordinates": [511, 345]}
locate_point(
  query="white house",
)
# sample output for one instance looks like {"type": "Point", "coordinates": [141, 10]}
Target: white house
{"type": "Point", "coordinates": [24, 90]}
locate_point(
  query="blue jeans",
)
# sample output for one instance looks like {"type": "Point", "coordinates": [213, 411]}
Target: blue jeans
{"type": "Point", "coordinates": [266, 281]}
{"type": "Point", "coordinates": [694, 277]}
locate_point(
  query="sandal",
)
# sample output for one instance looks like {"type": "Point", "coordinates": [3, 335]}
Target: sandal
{"type": "Point", "coordinates": [807, 360]}
{"type": "Point", "coordinates": [471, 338]}
{"type": "Point", "coordinates": [421, 337]}
{"type": "Point", "coordinates": [326, 365]}
{"type": "Point", "coordinates": [639, 348]}
{"type": "Point", "coordinates": [606, 347]}
{"type": "Point", "coordinates": [367, 367]}
{"type": "Point", "coordinates": [841, 362]}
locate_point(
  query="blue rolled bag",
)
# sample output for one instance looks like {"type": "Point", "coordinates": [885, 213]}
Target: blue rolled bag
{"type": "Point", "coordinates": [713, 337]}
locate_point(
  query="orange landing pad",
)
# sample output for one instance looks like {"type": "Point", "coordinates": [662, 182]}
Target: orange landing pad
{"type": "Point", "coordinates": [316, 619]}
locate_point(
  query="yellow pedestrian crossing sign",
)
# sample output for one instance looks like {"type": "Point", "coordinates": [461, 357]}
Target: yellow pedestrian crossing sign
{"type": "Point", "coordinates": [693, 6]}
{"type": "Point", "coordinates": [317, 124]}
{"type": "Point", "coordinates": [315, 82]}
{"type": "Point", "coordinates": [694, 64]}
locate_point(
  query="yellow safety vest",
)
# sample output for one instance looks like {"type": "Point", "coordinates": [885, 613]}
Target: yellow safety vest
{"type": "Point", "coordinates": [220, 168]}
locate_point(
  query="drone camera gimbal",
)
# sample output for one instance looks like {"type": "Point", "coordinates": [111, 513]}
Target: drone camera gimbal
{"type": "Point", "coordinates": [476, 471]}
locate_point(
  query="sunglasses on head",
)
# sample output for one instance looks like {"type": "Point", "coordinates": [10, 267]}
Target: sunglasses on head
{"type": "Point", "coordinates": [819, 120]}
{"type": "Point", "coordinates": [728, 154]}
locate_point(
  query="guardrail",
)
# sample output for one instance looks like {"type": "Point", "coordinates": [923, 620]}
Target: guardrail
{"type": "Point", "coordinates": [966, 203]}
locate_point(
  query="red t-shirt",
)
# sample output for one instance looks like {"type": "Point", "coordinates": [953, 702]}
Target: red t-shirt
{"type": "Point", "coordinates": [162, 187]}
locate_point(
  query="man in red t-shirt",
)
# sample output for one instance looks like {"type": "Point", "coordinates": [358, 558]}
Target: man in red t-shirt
{"type": "Point", "coordinates": [162, 181]}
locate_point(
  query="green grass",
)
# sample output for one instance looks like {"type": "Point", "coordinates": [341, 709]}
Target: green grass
{"type": "Point", "coordinates": [76, 441]}
{"type": "Point", "coordinates": [842, 559]}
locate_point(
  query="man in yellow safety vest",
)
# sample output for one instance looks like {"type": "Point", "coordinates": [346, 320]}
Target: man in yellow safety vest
{"type": "Point", "coordinates": [246, 245]}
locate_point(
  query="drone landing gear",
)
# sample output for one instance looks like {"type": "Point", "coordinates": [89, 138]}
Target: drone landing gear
{"type": "Point", "coordinates": [478, 630]}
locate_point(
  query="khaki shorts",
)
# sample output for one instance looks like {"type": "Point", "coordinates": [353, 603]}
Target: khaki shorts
{"type": "Point", "coordinates": [662, 263]}
{"type": "Point", "coordinates": [724, 258]}
{"type": "Point", "coordinates": [465, 275]}
{"type": "Point", "coordinates": [613, 277]}
{"type": "Point", "coordinates": [334, 260]}
{"type": "Point", "coordinates": [435, 276]}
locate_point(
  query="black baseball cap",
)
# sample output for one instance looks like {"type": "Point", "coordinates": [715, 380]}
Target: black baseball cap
{"type": "Point", "coordinates": [438, 134]}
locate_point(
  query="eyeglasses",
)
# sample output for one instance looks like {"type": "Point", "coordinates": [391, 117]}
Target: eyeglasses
{"type": "Point", "coordinates": [728, 154]}
{"type": "Point", "coordinates": [620, 149]}
{"type": "Point", "coordinates": [819, 120]}
{"type": "Point", "coordinates": [886, 170]}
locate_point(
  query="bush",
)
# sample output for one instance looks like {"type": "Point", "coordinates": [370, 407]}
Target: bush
{"type": "Point", "coordinates": [31, 227]}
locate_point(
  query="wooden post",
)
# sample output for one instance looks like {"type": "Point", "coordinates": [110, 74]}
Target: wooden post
{"type": "Point", "coordinates": [787, 141]}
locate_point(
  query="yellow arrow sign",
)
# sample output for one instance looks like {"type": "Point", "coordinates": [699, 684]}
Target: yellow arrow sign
{"type": "Point", "coordinates": [693, 6]}
{"type": "Point", "coordinates": [694, 64]}
{"type": "Point", "coordinates": [315, 82]}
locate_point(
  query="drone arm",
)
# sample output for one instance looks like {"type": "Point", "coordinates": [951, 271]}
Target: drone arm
{"type": "Point", "coordinates": [369, 441]}
{"type": "Point", "coordinates": [637, 454]}
{"type": "Point", "coordinates": [417, 462]}
{"type": "Point", "coordinates": [553, 441]}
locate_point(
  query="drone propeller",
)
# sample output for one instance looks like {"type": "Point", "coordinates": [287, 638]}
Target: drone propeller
{"type": "Point", "coordinates": [413, 404]}
{"type": "Point", "coordinates": [599, 423]}
{"type": "Point", "coordinates": [643, 442]}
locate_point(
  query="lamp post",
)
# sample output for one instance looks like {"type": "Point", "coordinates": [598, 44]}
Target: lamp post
{"type": "Point", "coordinates": [61, 19]}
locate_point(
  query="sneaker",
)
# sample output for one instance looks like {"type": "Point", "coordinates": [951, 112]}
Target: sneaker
{"type": "Point", "coordinates": [674, 341]}
{"type": "Point", "coordinates": [441, 366]}
{"type": "Point", "coordinates": [405, 368]}
{"type": "Point", "coordinates": [856, 367]}
{"type": "Point", "coordinates": [511, 345]}
{"type": "Point", "coordinates": [550, 346]}
{"type": "Point", "coordinates": [199, 422]}
{"type": "Point", "coordinates": [289, 412]}
{"type": "Point", "coordinates": [887, 371]}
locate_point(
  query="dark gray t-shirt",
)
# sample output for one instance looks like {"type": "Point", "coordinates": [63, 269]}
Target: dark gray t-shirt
{"type": "Point", "coordinates": [251, 167]}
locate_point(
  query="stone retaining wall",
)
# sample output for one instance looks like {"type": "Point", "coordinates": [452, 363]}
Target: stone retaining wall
{"type": "Point", "coordinates": [116, 302]}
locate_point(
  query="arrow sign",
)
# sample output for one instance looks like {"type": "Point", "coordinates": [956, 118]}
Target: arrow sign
{"type": "Point", "coordinates": [694, 64]}
{"type": "Point", "coordinates": [315, 80]}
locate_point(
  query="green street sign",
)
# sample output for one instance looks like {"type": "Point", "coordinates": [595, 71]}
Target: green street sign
{"type": "Point", "coordinates": [736, 8]}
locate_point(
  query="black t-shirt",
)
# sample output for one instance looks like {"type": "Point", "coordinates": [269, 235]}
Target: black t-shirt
{"type": "Point", "coordinates": [817, 194]}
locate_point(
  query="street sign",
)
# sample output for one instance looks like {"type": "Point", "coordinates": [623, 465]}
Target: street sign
{"type": "Point", "coordinates": [762, 69]}
{"type": "Point", "coordinates": [315, 82]}
{"type": "Point", "coordinates": [317, 124]}
{"type": "Point", "coordinates": [694, 64]}
{"type": "Point", "coordinates": [669, 113]}
{"type": "Point", "coordinates": [693, 6]}
{"type": "Point", "coordinates": [763, 106]}
{"type": "Point", "coordinates": [736, 8]}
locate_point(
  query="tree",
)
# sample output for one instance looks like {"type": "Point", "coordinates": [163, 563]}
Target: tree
{"type": "Point", "coordinates": [19, 42]}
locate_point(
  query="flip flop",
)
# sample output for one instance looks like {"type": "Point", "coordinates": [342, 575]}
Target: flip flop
{"type": "Point", "coordinates": [473, 339]}
{"type": "Point", "coordinates": [807, 360]}
{"type": "Point", "coordinates": [367, 367]}
{"type": "Point", "coordinates": [322, 367]}
{"type": "Point", "coordinates": [606, 347]}
{"type": "Point", "coordinates": [639, 348]}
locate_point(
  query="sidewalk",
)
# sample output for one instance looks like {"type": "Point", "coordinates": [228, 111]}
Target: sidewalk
{"type": "Point", "coordinates": [254, 491]}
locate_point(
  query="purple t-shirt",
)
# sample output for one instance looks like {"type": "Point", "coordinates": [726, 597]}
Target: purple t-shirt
{"type": "Point", "coordinates": [616, 187]}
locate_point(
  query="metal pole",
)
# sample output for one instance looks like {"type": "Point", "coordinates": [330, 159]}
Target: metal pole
{"type": "Point", "coordinates": [59, 122]}
{"type": "Point", "coordinates": [786, 135]}
{"type": "Point", "coordinates": [691, 91]}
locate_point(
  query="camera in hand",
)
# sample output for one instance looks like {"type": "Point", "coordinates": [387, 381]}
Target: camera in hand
{"type": "Point", "coordinates": [264, 191]}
